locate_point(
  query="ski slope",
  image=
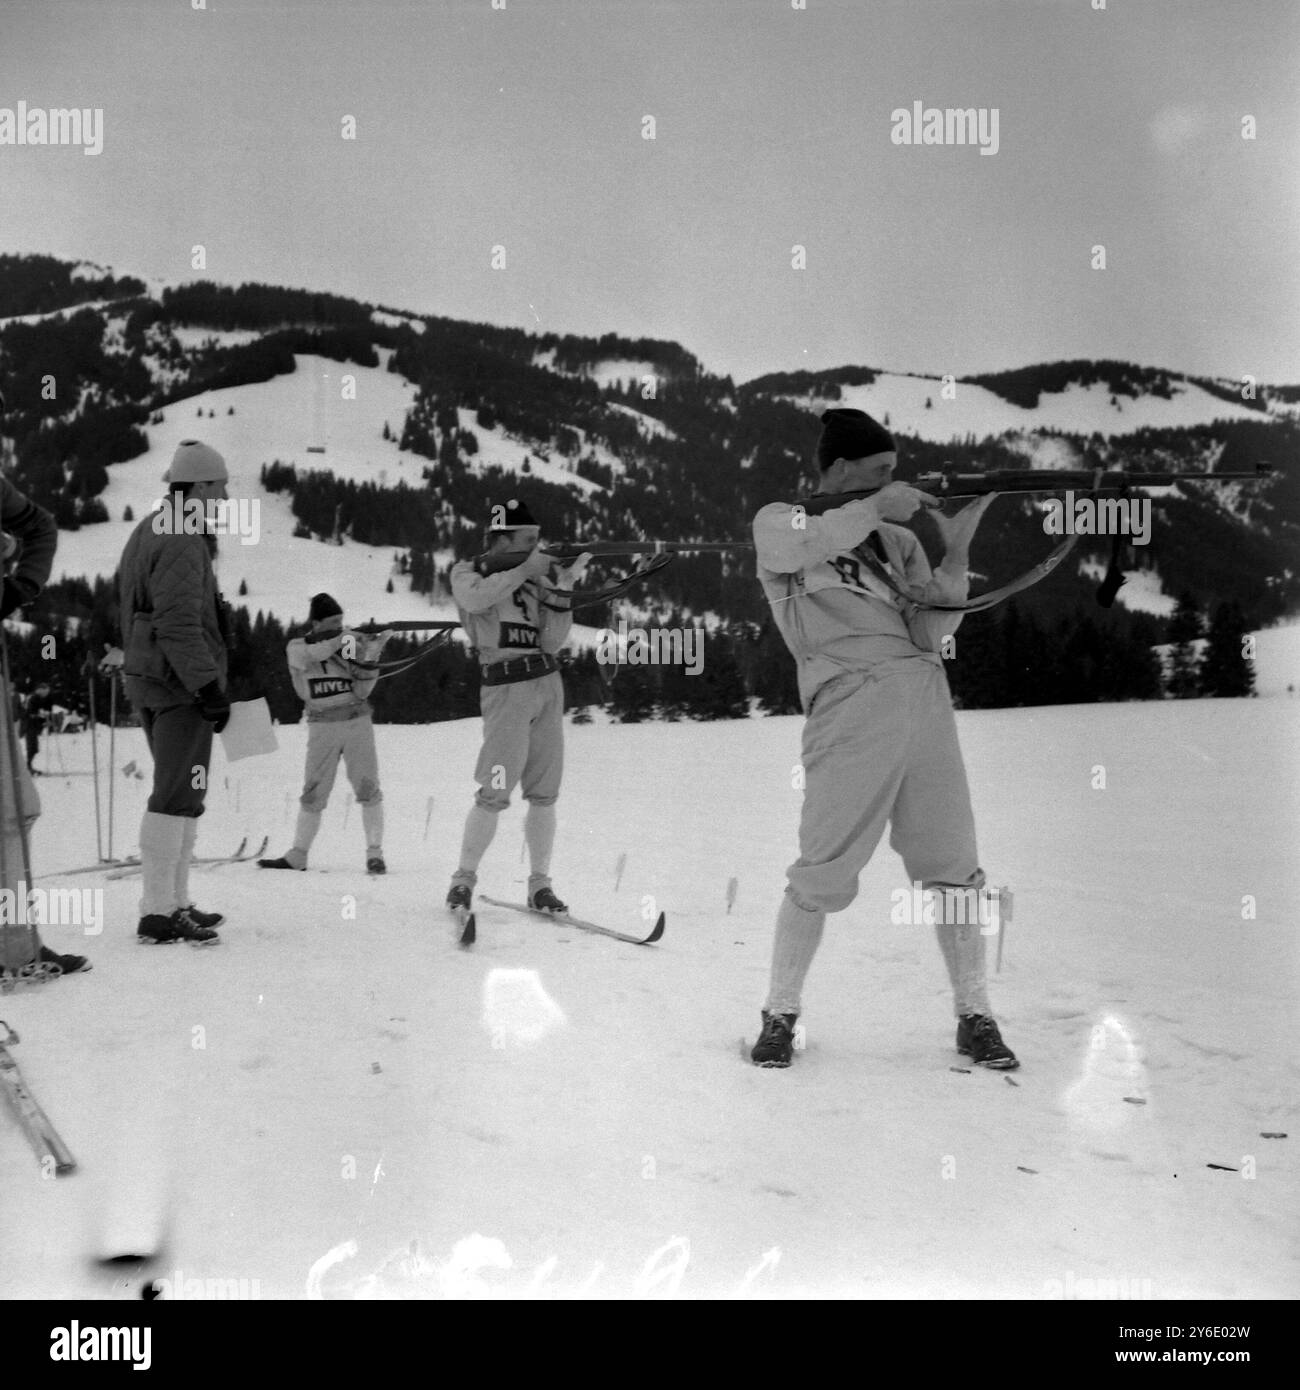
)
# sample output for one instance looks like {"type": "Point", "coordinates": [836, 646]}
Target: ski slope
{"type": "Point", "coordinates": [285, 419]}
{"type": "Point", "coordinates": [339, 1101]}
{"type": "Point", "coordinates": [977, 411]}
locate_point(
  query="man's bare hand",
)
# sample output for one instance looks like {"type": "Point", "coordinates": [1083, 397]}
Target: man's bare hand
{"type": "Point", "coordinates": [958, 530]}
{"type": "Point", "coordinates": [537, 564]}
{"type": "Point", "coordinates": [570, 575]}
{"type": "Point", "coordinates": [112, 660]}
{"type": "Point", "coordinates": [901, 501]}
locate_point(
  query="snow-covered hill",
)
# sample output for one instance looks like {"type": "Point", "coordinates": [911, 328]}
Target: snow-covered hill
{"type": "Point", "coordinates": [302, 419]}
{"type": "Point", "coordinates": [916, 405]}
{"type": "Point", "coordinates": [337, 1097]}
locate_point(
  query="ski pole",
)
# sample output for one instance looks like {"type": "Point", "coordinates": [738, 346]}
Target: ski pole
{"type": "Point", "coordinates": [8, 937]}
{"type": "Point", "coordinates": [15, 785]}
{"type": "Point", "coordinates": [112, 766]}
{"type": "Point", "coordinates": [94, 760]}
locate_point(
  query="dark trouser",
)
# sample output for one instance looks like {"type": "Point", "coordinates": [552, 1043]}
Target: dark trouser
{"type": "Point", "coordinates": [33, 744]}
{"type": "Point", "coordinates": [180, 741]}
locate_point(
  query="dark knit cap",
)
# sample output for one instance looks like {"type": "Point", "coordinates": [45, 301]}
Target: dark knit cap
{"type": "Point", "coordinates": [322, 607]}
{"type": "Point", "coordinates": [851, 434]}
{"type": "Point", "coordinates": [510, 515]}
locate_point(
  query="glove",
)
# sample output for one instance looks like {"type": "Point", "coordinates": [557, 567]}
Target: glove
{"type": "Point", "coordinates": [16, 592]}
{"type": "Point", "coordinates": [214, 705]}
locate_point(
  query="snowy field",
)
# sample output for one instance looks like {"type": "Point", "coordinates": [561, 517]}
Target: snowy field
{"type": "Point", "coordinates": [337, 1099]}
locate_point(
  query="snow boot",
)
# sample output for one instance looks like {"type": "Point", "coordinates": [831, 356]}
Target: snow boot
{"type": "Point", "coordinates": [978, 1038]}
{"type": "Point", "coordinates": [281, 863]}
{"type": "Point", "coordinates": [203, 919]}
{"type": "Point", "coordinates": [544, 900]}
{"type": "Point", "coordinates": [775, 1045]}
{"type": "Point", "coordinates": [69, 965]}
{"type": "Point", "coordinates": [459, 897]}
{"type": "Point", "coordinates": [375, 864]}
{"type": "Point", "coordinates": [157, 930]}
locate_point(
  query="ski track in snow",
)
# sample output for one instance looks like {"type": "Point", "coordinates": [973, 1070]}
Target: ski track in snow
{"type": "Point", "coordinates": [337, 1087]}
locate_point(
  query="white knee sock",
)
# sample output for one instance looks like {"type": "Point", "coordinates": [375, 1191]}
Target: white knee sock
{"type": "Point", "coordinates": [798, 934]}
{"type": "Point", "coordinates": [160, 851]}
{"type": "Point", "coordinates": [304, 833]}
{"type": "Point", "coordinates": [189, 834]}
{"type": "Point", "coordinates": [372, 822]}
{"type": "Point", "coordinates": [480, 827]}
{"type": "Point", "coordinates": [963, 953]}
{"type": "Point", "coordinates": [539, 833]}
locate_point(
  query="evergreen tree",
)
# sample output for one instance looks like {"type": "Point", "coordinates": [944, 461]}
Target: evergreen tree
{"type": "Point", "coordinates": [720, 688]}
{"type": "Point", "coordinates": [773, 679]}
{"type": "Point", "coordinates": [1185, 627]}
{"type": "Point", "coordinates": [632, 694]}
{"type": "Point", "coordinates": [1226, 670]}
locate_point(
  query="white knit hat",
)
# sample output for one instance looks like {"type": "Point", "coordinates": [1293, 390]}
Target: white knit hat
{"type": "Point", "coordinates": [194, 462]}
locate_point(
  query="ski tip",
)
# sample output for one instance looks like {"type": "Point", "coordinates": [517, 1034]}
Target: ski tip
{"type": "Point", "coordinates": [469, 934]}
{"type": "Point", "coordinates": [658, 931]}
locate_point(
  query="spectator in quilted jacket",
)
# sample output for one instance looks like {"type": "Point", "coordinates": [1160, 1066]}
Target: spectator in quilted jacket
{"type": "Point", "coordinates": [174, 633]}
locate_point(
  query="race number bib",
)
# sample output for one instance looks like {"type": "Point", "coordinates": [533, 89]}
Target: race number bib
{"type": "Point", "coordinates": [517, 635]}
{"type": "Point", "coordinates": [849, 571]}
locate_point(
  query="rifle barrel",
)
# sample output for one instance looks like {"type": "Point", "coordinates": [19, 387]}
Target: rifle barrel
{"type": "Point", "coordinates": [405, 625]}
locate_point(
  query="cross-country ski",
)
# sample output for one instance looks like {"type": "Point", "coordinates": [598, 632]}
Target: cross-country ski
{"type": "Point", "coordinates": [26, 1110]}
{"type": "Point", "coordinates": [566, 919]}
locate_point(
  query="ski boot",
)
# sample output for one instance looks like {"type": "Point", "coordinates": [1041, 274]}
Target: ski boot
{"type": "Point", "coordinates": [159, 930]}
{"type": "Point", "coordinates": [375, 864]}
{"type": "Point", "coordinates": [281, 863]}
{"type": "Point", "coordinates": [775, 1045]}
{"type": "Point", "coordinates": [978, 1038]}
{"type": "Point", "coordinates": [544, 900]}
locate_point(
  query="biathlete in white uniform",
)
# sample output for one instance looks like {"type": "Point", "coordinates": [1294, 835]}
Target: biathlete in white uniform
{"type": "Point", "coordinates": [505, 602]}
{"type": "Point", "coordinates": [333, 673]}
{"type": "Point", "coordinates": [880, 742]}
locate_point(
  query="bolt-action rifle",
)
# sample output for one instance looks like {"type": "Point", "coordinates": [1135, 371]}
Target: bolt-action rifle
{"type": "Point", "coordinates": [945, 484]}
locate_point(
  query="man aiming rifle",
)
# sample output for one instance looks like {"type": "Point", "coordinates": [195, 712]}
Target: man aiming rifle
{"type": "Point", "coordinates": [880, 742]}
{"type": "Point", "coordinates": [334, 672]}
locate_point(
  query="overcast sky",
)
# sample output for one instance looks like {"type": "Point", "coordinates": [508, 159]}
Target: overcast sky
{"type": "Point", "coordinates": [523, 128]}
